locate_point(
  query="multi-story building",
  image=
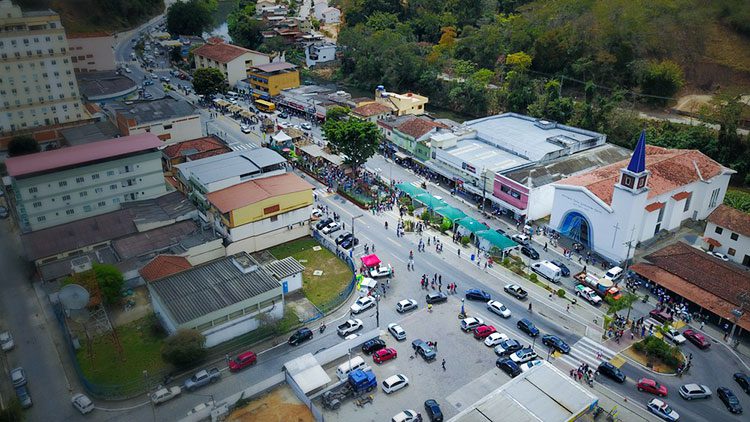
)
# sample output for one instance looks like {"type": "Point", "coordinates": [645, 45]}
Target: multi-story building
{"type": "Point", "coordinates": [233, 61]}
{"type": "Point", "coordinates": [171, 119]}
{"type": "Point", "coordinates": [68, 184]}
{"type": "Point", "coordinates": [92, 52]}
{"type": "Point", "coordinates": [191, 150]}
{"type": "Point", "coordinates": [319, 52]}
{"type": "Point", "coordinates": [37, 83]}
{"type": "Point", "coordinates": [268, 80]}
{"type": "Point", "coordinates": [728, 232]}
{"type": "Point", "coordinates": [409, 103]}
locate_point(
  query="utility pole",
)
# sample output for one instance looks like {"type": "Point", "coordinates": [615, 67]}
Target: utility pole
{"type": "Point", "coordinates": [484, 188]}
{"type": "Point", "coordinates": [354, 245]}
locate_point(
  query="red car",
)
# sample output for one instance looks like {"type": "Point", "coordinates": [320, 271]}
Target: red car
{"type": "Point", "coordinates": [383, 355]}
{"type": "Point", "coordinates": [243, 360]}
{"type": "Point", "coordinates": [696, 338]}
{"type": "Point", "coordinates": [661, 316]}
{"type": "Point", "coordinates": [651, 386]}
{"type": "Point", "coordinates": [483, 331]}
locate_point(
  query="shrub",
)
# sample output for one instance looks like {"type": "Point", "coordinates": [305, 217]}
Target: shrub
{"type": "Point", "coordinates": [425, 215]}
{"type": "Point", "coordinates": [445, 225]}
{"type": "Point", "coordinates": [561, 292]}
{"type": "Point", "coordinates": [410, 209]}
{"type": "Point", "coordinates": [465, 240]}
{"type": "Point", "coordinates": [533, 277]}
{"type": "Point", "coordinates": [506, 262]}
{"type": "Point", "coordinates": [185, 348]}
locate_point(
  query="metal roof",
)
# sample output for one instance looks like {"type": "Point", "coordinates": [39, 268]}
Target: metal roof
{"type": "Point", "coordinates": [213, 286]}
{"type": "Point", "coordinates": [156, 110]}
{"type": "Point", "coordinates": [231, 164]}
{"type": "Point", "coordinates": [482, 155]}
{"type": "Point", "coordinates": [284, 268]}
{"type": "Point", "coordinates": [496, 239]}
{"type": "Point", "coordinates": [273, 67]}
{"type": "Point", "coordinates": [471, 224]}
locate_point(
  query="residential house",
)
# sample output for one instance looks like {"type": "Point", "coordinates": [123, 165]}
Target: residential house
{"type": "Point", "coordinates": [728, 232]}
{"type": "Point", "coordinates": [266, 81]}
{"type": "Point", "coordinates": [233, 61]}
{"type": "Point", "coordinates": [411, 134]}
{"type": "Point", "coordinates": [331, 15]}
{"type": "Point", "coordinates": [371, 112]}
{"type": "Point", "coordinates": [409, 103]}
{"type": "Point", "coordinates": [191, 150]}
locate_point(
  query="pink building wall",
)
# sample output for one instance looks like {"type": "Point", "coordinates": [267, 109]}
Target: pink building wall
{"type": "Point", "coordinates": [514, 193]}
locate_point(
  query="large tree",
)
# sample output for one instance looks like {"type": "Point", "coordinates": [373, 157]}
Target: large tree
{"type": "Point", "coordinates": [356, 140]}
{"type": "Point", "coordinates": [209, 81]}
{"type": "Point", "coordinates": [190, 17]}
{"type": "Point", "coordinates": [244, 28]}
{"type": "Point", "coordinates": [22, 145]}
{"type": "Point", "coordinates": [185, 348]}
{"type": "Point", "coordinates": [110, 281]}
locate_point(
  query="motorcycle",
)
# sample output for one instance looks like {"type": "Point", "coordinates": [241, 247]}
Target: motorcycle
{"type": "Point", "coordinates": [322, 328]}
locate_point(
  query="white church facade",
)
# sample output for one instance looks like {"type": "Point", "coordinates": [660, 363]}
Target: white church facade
{"type": "Point", "coordinates": [613, 208]}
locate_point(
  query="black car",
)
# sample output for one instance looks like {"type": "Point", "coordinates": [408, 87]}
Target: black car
{"type": "Point", "coordinates": [342, 237]}
{"type": "Point", "coordinates": [423, 350]}
{"type": "Point", "coordinates": [611, 371]}
{"type": "Point", "coordinates": [432, 408]}
{"type": "Point", "coordinates": [301, 336]}
{"type": "Point", "coordinates": [530, 252]}
{"type": "Point", "coordinates": [476, 294]}
{"type": "Point", "coordinates": [743, 380]}
{"type": "Point", "coordinates": [564, 270]}
{"type": "Point", "coordinates": [323, 223]}
{"type": "Point", "coordinates": [436, 297]}
{"type": "Point", "coordinates": [555, 342]}
{"type": "Point", "coordinates": [508, 347]}
{"type": "Point", "coordinates": [729, 399]}
{"type": "Point", "coordinates": [373, 346]}
{"type": "Point", "coordinates": [527, 327]}
{"type": "Point", "coordinates": [348, 243]}
{"type": "Point", "coordinates": [508, 366]}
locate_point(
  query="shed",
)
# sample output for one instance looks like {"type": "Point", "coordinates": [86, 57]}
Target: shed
{"type": "Point", "coordinates": [289, 273]}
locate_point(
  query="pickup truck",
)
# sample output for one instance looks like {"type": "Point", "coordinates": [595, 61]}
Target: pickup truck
{"type": "Point", "coordinates": [202, 378]}
{"type": "Point", "coordinates": [588, 294]}
{"type": "Point", "coordinates": [350, 326]}
{"type": "Point", "coordinates": [603, 287]}
{"type": "Point", "coordinates": [165, 394]}
{"type": "Point", "coordinates": [515, 290]}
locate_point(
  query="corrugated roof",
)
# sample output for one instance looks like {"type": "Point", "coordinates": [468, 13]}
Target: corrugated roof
{"type": "Point", "coordinates": [153, 240]}
{"type": "Point", "coordinates": [80, 154]}
{"type": "Point", "coordinates": [284, 268]}
{"type": "Point", "coordinates": [418, 127]}
{"type": "Point", "coordinates": [232, 164]}
{"type": "Point", "coordinates": [221, 52]}
{"type": "Point", "coordinates": [212, 287]}
{"type": "Point", "coordinates": [274, 67]}
{"type": "Point", "coordinates": [731, 219]}
{"type": "Point", "coordinates": [252, 191]}
{"type": "Point", "coordinates": [371, 109]}
{"type": "Point", "coordinates": [164, 265]}
{"type": "Point", "coordinates": [156, 110]}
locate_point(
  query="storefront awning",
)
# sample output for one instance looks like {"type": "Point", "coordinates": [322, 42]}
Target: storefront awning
{"type": "Point", "coordinates": [401, 156]}
{"type": "Point", "coordinates": [429, 201]}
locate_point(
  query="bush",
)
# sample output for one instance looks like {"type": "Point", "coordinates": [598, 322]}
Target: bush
{"type": "Point", "coordinates": [465, 240]}
{"type": "Point", "coordinates": [533, 277]}
{"type": "Point", "coordinates": [12, 412]}
{"type": "Point", "coordinates": [506, 262]}
{"type": "Point", "coordinates": [561, 292]}
{"type": "Point", "coordinates": [445, 225]}
{"type": "Point", "coordinates": [410, 209]}
{"type": "Point", "coordinates": [425, 215]}
{"type": "Point", "coordinates": [110, 281]}
{"type": "Point", "coordinates": [185, 348]}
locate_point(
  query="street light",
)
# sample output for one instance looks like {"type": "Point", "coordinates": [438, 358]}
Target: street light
{"type": "Point", "coordinates": [354, 244]}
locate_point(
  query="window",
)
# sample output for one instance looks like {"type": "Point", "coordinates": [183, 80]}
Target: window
{"type": "Point", "coordinates": [110, 173]}
{"type": "Point", "coordinates": [62, 184]}
{"type": "Point", "coordinates": [41, 218]}
{"type": "Point", "coordinates": [508, 191]}
{"type": "Point", "coordinates": [33, 190]}
{"type": "Point", "coordinates": [714, 197]}
{"type": "Point", "coordinates": [112, 187]}
{"type": "Point", "coordinates": [274, 218]}
{"type": "Point", "coordinates": [734, 236]}
{"type": "Point", "coordinates": [70, 212]}
{"type": "Point", "coordinates": [94, 176]}
{"type": "Point", "coordinates": [83, 194]}
{"type": "Point", "coordinates": [37, 204]}
{"type": "Point", "coordinates": [101, 204]}
{"type": "Point", "coordinates": [98, 190]}
{"type": "Point", "coordinates": [87, 208]}
{"type": "Point", "coordinates": [687, 203]}
{"type": "Point", "coordinates": [79, 179]}
{"type": "Point", "coordinates": [66, 198]}
{"type": "Point", "coordinates": [115, 200]}
{"type": "Point", "coordinates": [719, 230]}
{"type": "Point", "coordinates": [167, 127]}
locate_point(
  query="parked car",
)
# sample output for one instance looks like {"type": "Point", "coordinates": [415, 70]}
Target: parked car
{"type": "Point", "coordinates": [396, 331]}
{"type": "Point", "coordinates": [4, 212]}
{"type": "Point", "coordinates": [527, 327]}
{"type": "Point", "coordinates": [381, 271]}
{"type": "Point", "coordinates": [436, 297]}
{"type": "Point", "coordinates": [696, 338]}
{"type": "Point", "coordinates": [611, 371]}
{"type": "Point", "coordinates": [6, 341]}
{"type": "Point", "coordinates": [323, 223]}
{"type": "Point", "coordinates": [508, 366]}
{"type": "Point", "coordinates": [494, 339]}
{"type": "Point", "coordinates": [555, 342]}
{"type": "Point", "coordinates": [564, 270]}
{"type": "Point", "coordinates": [694, 391]}
{"type": "Point", "coordinates": [372, 346]}
{"type": "Point", "coordinates": [349, 326]}
{"type": "Point", "coordinates": [395, 383]}
{"type": "Point", "coordinates": [300, 336]}
{"type": "Point", "coordinates": [719, 255]}
{"type": "Point", "coordinates": [530, 252]}
{"type": "Point", "coordinates": [530, 364]}
{"type": "Point", "coordinates": [243, 360]}
{"type": "Point", "coordinates": [18, 377]}
{"type": "Point", "coordinates": [283, 115]}
{"type": "Point", "coordinates": [651, 386]}
{"type": "Point", "coordinates": [406, 305]}
{"type": "Point", "coordinates": [660, 316]}
{"type": "Point", "coordinates": [342, 237]}
{"type": "Point", "coordinates": [245, 128]}
{"type": "Point", "coordinates": [483, 331]}
{"type": "Point", "coordinates": [743, 380]}
{"type": "Point", "coordinates": [82, 403]}
{"type": "Point", "coordinates": [407, 415]}
{"type": "Point", "coordinates": [349, 243]}
{"type": "Point", "coordinates": [498, 308]}
{"type": "Point", "coordinates": [520, 238]}
{"type": "Point", "coordinates": [508, 347]}
{"type": "Point", "coordinates": [384, 355]}
{"type": "Point", "coordinates": [202, 378]}
{"type": "Point", "coordinates": [662, 410]}
{"type": "Point", "coordinates": [674, 336]}
{"type": "Point", "coordinates": [729, 399]}
{"type": "Point", "coordinates": [24, 397]}
{"type": "Point", "coordinates": [331, 228]}
{"type": "Point", "coordinates": [432, 409]}
{"type": "Point", "coordinates": [422, 349]}
{"type": "Point", "coordinates": [524, 355]}
{"type": "Point", "coordinates": [470, 323]}
{"type": "Point", "coordinates": [476, 294]}
{"type": "Point", "coordinates": [306, 126]}
{"type": "Point", "coordinates": [362, 304]}
{"type": "Point", "coordinates": [164, 394]}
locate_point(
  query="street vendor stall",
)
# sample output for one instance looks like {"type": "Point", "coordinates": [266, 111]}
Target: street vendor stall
{"type": "Point", "coordinates": [370, 261]}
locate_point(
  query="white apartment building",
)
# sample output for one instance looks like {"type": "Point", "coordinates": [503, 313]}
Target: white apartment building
{"type": "Point", "coordinates": [92, 52]}
{"type": "Point", "coordinates": [37, 83]}
{"type": "Point", "coordinates": [68, 184]}
{"type": "Point", "coordinates": [233, 61]}
{"type": "Point", "coordinates": [171, 119]}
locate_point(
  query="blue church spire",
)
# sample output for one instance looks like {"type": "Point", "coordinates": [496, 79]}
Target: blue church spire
{"type": "Point", "coordinates": [638, 160]}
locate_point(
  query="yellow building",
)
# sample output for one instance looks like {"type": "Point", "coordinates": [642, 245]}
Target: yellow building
{"type": "Point", "coordinates": [269, 79]}
{"type": "Point", "coordinates": [402, 104]}
{"type": "Point", "coordinates": [262, 213]}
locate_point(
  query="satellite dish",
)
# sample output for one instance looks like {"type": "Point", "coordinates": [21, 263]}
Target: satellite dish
{"type": "Point", "coordinates": [74, 296]}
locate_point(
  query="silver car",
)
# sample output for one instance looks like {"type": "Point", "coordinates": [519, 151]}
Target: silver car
{"type": "Point", "coordinates": [396, 331]}
{"type": "Point", "coordinates": [82, 403]}
{"type": "Point", "coordinates": [18, 377]}
{"type": "Point", "coordinates": [6, 341]}
{"type": "Point", "coordinates": [694, 391]}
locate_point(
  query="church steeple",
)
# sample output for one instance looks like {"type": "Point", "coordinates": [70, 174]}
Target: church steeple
{"type": "Point", "coordinates": [635, 177]}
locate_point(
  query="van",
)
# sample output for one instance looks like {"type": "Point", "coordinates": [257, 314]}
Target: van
{"type": "Point", "coordinates": [354, 363]}
{"type": "Point", "coordinates": [613, 274]}
{"type": "Point", "coordinates": [547, 270]}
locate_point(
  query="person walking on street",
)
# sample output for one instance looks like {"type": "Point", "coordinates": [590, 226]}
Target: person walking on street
{"type": "Point", "coordinates": [443, 364]}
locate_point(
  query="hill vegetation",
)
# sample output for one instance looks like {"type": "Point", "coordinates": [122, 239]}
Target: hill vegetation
{"type": "Point", "coordinates": [86, 16]}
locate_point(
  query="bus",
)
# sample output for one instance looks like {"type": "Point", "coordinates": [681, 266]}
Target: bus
{"type": "Point", "coordinates": [265, 106]}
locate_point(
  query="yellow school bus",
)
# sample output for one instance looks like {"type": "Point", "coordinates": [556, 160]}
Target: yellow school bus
{"type": "Point", "coordinates": [265, 106]}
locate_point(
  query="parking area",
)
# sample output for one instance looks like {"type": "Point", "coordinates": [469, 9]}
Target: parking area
{"type": "Point", "coordinates": [467, 359]}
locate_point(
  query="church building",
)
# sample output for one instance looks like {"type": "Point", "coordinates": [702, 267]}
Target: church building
{"type": "Point", "coordinates": [613, 208]}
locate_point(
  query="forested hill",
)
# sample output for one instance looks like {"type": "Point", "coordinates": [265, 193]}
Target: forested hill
{"type": "Point", "coordinates": [98, 15]}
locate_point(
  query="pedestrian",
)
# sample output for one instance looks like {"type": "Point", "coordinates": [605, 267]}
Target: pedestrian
{"type": "Point", "coordinates": [443, 364]}
{"type": "Point", "coordinates": [459, 252]}
{"type": "Point", "coordinates": [567, 308]}
{"type": "Point", "coordinates": [702, 324]}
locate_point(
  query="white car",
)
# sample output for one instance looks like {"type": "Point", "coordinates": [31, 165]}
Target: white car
{"type": "Point", "coordinates": [306, 126]}
{"type": "Point", "coordinates": [165, 394]}
{"type": "Point", "coordinates": [127, 70]}
{"type": "Point", "coordinates": [498, 308]}
{"type": "Point", "coordinates": [675, 336]}
{"type": "Point", "coordinates": [6, 341]}
{"type": "Point", "coordinates": [721, 256]}
{"type": "Point", "coordinates": [331, 228]}
{"type": "Point", "coordinates": [494, 339]}
{"type": "Point", "coordinates": [694, 391]}
{"type": "Point", "coordinates": [406, 305]}
{"type": "Point", "coordinates": [362, 304]}
{"type": "Point", "coordinates": [201, 408]}
{"type": "Point", "coordinates": [396, 331]}
{"type": "Point", "coordinates": [407, 415]}
{"type": "Point", "coordinates": [18, 377]}
{"type": "Point", "coordinates": [520, 238]}
{"type": "Point", "coordinates": [380, 271]}
{"type": "Point", "coordinates": [523, 355]}
{"type": "Point", "coordinates": [528, 365]}
{"type": "Point", "coordinates": [395, 383]}
{"type": "Point", "coordinates": [470, 323]}
{"type": "Point", "coordinates": [316, 213]}
{"type": "Point", "coordinates": [245, 128]}
{"type": "Point", "coordinates": [82, 403]}
{"type": "Point", "coordinates": [662, 410]}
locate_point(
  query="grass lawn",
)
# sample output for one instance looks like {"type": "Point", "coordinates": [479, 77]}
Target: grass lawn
{"type": "Point", "coordinates": [318, 289]}
{"type": "Point", "coordinates": [658, 365]}
{"type": "Point", "coordinates": [141, 349]}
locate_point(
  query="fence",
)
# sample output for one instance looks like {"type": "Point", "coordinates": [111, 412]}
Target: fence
{"type": "Point", "coordinates": [341, 297]}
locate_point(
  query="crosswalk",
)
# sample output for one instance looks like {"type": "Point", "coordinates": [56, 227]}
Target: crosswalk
{"type": "Point", "coordinates": [239, 146]}
{"type": "Point", "coordinates": [586, 350]}
{"type": "Point", "coordinates": [322, 192]}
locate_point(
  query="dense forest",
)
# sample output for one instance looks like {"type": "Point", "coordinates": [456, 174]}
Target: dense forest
{"type": "Point", "coordinates": [98, 15]}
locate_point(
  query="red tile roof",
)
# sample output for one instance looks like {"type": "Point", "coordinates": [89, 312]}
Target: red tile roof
{"type": "Point", "coordinates": [194, 149]}
{"type": "Point", "coordinates": [252, 191]}
{"type": "Point", "coordinates": [654, 206]}
{"type": "Point", "coordinates": [670, 169]}
{"type": "Point", "coordinates": [80, 154]}
{"type": "Point", "coordinates": [221, 52]}
{"type": "Point", "coordinates": [371, 109]}
{"type": "Point", "coordinates": [731, 219]}
{"type": "Point", "coordinates": [418, 127]}
{"type": "Point", "coordinates": [163, 266]}
{"type": "Point", "coordinates": [680, 196]}
{"type": "Point", "coordinates": [713, 242]}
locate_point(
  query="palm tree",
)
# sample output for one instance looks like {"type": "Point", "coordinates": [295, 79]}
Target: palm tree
{"type": "Point", "coordinates": [626, 301]}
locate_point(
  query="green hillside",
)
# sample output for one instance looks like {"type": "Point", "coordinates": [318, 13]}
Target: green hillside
{"type": "Point", "coordinates": [98, 15]}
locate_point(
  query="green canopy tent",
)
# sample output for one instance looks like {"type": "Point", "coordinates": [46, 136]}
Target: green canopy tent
{"type": "Point", "coordinates": [472, 225]}
{"type": "Point", "coordinates": [429, 201]}
{"type": "Point", "coordinates": [489, 239]}
{"type": "Point", "coordinates": [450, 213]}
{"type": "Point", "coordinates": [410, 189]}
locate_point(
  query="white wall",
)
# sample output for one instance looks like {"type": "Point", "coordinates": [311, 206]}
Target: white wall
{"type": "Point", "coordinates": [183, 128]}
{"type": "Point", "coordinates": [540, 202]}
{"type": "Point", "coordinates": [268, 240]}
{"type": "Point", "coordinates": [260, 227]}
{"type": "Point", "coordinates": [293, 282]}
{"type": "Point", "coordinates": [741, 246]}
{"type": "Point", "coordinates": [206, 252]}
{"type": "Point", "coordinates": [238, 327]}
{"type": "Point", "coordinates": [235, 180]}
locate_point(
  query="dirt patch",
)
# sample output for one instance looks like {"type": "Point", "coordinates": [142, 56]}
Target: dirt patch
{"type": "Point", "coordinates": [280, 405]}
{"type": "Point", "coordinates": [140, 306]}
